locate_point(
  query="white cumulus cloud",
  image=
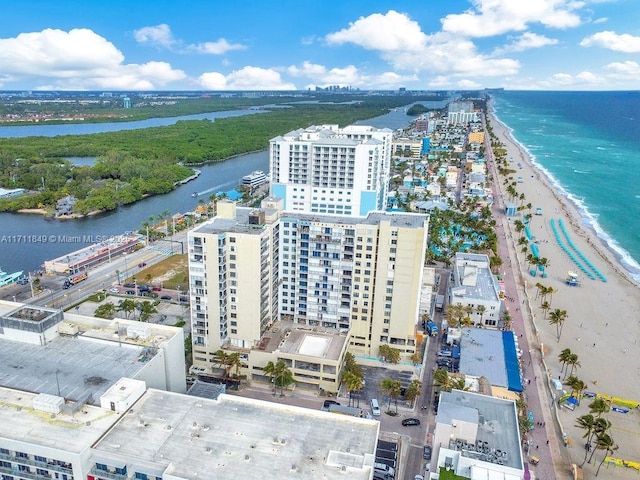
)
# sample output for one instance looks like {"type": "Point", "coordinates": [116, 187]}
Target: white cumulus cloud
{"type": "Point", "coordinates": [619, 43]}
{"type": "Point", "coordinates": [495, 17]}
{"type": "Point", "coordinates": [526, 41]}
{"type": "Point", "coordinates": [625, 70]}
{"type": "Point", "coordinates": [155, 35]}
{"type": "Point", "coordinates": [392, 31]}
{"type": "Point", "coordinates": [161, 36]}
{"type": "Point", "coordinates": [247, 78]}
{"type": "Point", "coordinates": [77, 59]}
{"type": "Point", "coordinates": [401, 43]}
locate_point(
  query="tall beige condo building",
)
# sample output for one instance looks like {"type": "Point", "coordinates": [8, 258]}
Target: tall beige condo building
{"type": "Point", "coordinates": [250, 268]}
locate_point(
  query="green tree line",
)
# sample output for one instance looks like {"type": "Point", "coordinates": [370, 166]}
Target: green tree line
{"type": "Point", "coordinates": [134, 163]}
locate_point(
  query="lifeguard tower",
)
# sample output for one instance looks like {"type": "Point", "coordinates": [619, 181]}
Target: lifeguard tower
{"type": "Point", "coordinates": [572, 279]}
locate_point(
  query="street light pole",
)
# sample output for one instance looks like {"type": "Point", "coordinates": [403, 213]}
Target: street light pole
{"type": "Point", "coordinates": [58, 383]}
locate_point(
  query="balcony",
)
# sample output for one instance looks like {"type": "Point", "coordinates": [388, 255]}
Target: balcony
{"type": "Point", "coordinates": [36, 463]}
{"type": "Point", "coordinates": [23, 474]}
{"type": "Point", "coordinates": [109, 475]}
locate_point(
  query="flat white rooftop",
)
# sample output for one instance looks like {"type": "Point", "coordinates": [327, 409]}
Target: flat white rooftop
{"type": "Point", "coordinates": [72, 433]}
{"type": "Point", "coordinates": [76, 365]}
{"type": "Point", "coordinates": [236, 437]}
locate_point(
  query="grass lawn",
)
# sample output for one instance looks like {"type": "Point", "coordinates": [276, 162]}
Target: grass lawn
{"type": "Point", "coordinates": [169, 273]}
{"type": "Point", "coordinates": [449, 475]}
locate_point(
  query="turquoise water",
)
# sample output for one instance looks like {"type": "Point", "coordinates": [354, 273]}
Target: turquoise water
{"type": "Point", "coordinates": [588, 144]}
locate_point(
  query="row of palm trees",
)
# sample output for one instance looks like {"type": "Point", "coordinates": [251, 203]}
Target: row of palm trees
{"type": "Point", "coordinates": [597, 432]}
{"type": "Point", "coordinates": [279, 374]}
{"type": "Point", "coordinates": [232, 363]}
{"type": "Point", "coordinates": [128, 307]}
{"type": "Point", "coordinates": [393, 389]}
{"type": "Point", "coordinates": [568, 359]}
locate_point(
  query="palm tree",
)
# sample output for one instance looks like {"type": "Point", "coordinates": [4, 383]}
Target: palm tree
{"type": "Point", "coordinates": [279, 374]}
{"type": "Point", "coordinates": [557, 317]}
{"type": "Point", "coordinates": [127, 306]}
{"type": "Point", "coordinates": [481, 309]}
{"type": "Point", "coordinates": [442, 379]}
{"type": "Point", "coordinates": [577, 387]}
{"type": "Point", "coordinates": [146, 310]}
{"type": "Point", "coordinates": [587, 423]}
{"type": "Point", "coordinates": [599, 406]}
{"type": "Point", "coordinates": [270, 370]}
{"type": "Point", "coordinates": [234, 362]}
{"type": "Point", "coordinates": [283, 377]}
{"type": "Point", "coordinates": [600, 427]}
{"type": "Point", "coordinates": [545, 306]}
{"type": "Point", "coordinates": [352, 383]}
{"type": "Point", "coordinates": [413, 390]}
{"type": "Point", "coordinates": [221, 359]}
{"type": "Point", "coordinates": [525, 425]}
{"type": "Point", "coordinates": [573, 362]}
{"type": "Point", "coordinates": [450, 316]}
{"type": "Point", "coordinates": [605, 442]}
{"type": "Point", "coordinates": [550, 291]}
{"type": "Point", "coordinates": [539, 289]}
{"type": "Point", "coordinates": [392, 388]}
{"type": "Point", "coordinates": [564, 357]}
{"type": "Point", "coordinates": [507, 320]}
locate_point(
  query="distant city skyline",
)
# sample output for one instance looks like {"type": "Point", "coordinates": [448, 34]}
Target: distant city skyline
{"type": "Point", "coordinates": [290, 45]}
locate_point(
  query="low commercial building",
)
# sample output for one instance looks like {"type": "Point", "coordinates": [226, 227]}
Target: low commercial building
{"type": "Point", "coordinates": [178, 437]}
{"type": "Point", "coordinates": [39, 440]}
{"type": "Point", "coordinates": [155, 434]}
{"type": "Point", "coordinates": [475, 286]}
{"type": "Point", "coordinates": [81, 260]}
{"type": "Point", "coordinates": [493, 355]}
{"type": "Point", "coordinates": [314, 355]}
{"type": "Point", "coordinates": [477, 436]}
{"type": "Point", "coordinates": [78, 357]}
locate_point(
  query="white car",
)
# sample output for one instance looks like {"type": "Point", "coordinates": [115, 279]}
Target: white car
{"type": "Point", "coordinates": [114, 290]}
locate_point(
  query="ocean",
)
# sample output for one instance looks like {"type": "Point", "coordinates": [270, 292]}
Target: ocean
{"type": "Point", "coordinates": [588, 145]}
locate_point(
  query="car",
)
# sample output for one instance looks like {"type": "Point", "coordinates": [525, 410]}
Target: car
{"type": "Point", "coordinates": [166, 297]}
{"type": "Point", "coordinates": [418, 477]}
{"type": "Point", "coordinates": [444, 362]}
{"type": "Point", "coordinates": [130, 285]}
{"type": "Point", "coordinates": [156, 289]}
{"type": "Point", "coordinates": [327, 403]}
{"type": "Point", "coordinates": [409, 422]}
{"type": "Point", "coordinates": [426, 452]}
{"type": "Point", "coordinates": [130, 292]}
{"type": "Point", "coordinates": [114, 290]}
{"type": "Point", "coordinates": [444, 353]}
{"type": "Point", "coordinates": [142, 264]}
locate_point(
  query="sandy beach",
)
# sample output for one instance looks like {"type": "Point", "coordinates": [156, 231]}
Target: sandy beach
{"type": "Point", "coordinates": [602, 326]}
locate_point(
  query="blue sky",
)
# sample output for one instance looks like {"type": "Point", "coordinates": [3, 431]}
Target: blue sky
{"type": "Point", "coordinates": [296, 44]}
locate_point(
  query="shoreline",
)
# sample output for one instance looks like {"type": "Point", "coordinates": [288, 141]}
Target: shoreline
{"type": "Point", "coordinates": [576, 213]}
{"type": "Point", "coordinates": [601, 326]}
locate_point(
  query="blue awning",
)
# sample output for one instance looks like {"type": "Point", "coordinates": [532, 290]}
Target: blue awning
{"type": "Point", "coordinates": [514, 382]}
